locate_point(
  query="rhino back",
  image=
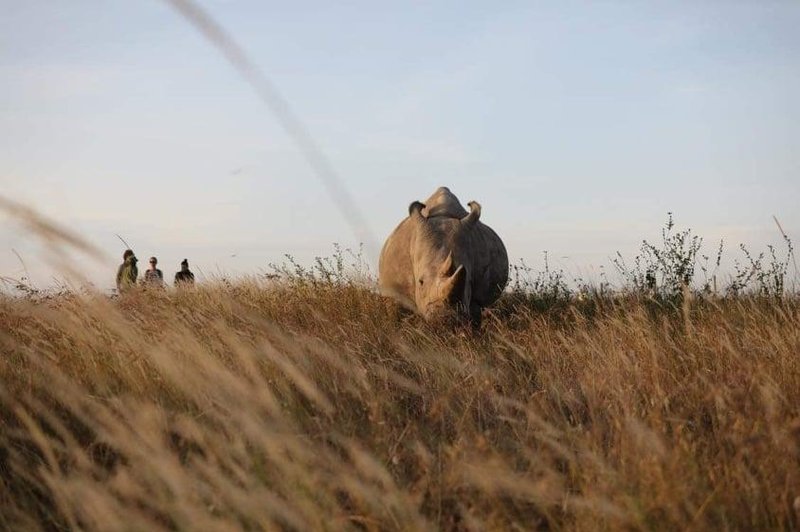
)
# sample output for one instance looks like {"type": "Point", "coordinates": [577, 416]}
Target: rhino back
{"type": "Point", "coordinates": [443, 203]}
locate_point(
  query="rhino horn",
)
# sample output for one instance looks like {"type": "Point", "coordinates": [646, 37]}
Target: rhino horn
{"type": "Point", "coordinates": [446, 269]}
{"type": "Point", "coordinates": [415, 210]}
{"type": "Point", "coordinates": [455, 284]}
{"type": "Point", "coordinates": [474, 213]}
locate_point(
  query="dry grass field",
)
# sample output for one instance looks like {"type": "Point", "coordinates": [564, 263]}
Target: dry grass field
{"type": "Point", "coordinates": [298, 405]}
{"type": "Point", "coordinates": [305, 401]}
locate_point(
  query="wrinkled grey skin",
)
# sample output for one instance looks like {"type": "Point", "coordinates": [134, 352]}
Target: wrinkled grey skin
{"type": "Point", "coordinates": [443, 262]}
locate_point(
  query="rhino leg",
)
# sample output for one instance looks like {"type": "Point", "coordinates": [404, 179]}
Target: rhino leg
{"type": "Point", "coordinates": [475, 315]}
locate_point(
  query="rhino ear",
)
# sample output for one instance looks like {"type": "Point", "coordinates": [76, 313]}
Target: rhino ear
{"type": "Point", "coordinates": [474, 213]}
{"type": "Point", "coordinates": [415, 210]}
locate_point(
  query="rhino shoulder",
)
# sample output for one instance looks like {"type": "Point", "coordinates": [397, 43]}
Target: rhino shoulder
{"type": "Point", "coordinates": [395, 269]}
{"type": "Point", "coordinates": [491, 265]}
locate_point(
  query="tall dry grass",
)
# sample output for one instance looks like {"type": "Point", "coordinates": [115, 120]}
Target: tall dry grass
{"type": "Point", "coordinates": [258, 404]}
{"type": "Point", "coordinates": [312, 403]}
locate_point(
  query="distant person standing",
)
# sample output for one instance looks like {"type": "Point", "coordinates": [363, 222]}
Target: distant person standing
{"type": "Point", "coordinates": [128, 272]}
{"type": "Point", "coordinates": [153, 278]}
{"type": "Point", "coordinates": [184, 277]}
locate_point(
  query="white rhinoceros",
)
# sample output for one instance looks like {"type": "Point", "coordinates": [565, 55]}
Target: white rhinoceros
{"type": "Point", "coordinates": [442, 261]}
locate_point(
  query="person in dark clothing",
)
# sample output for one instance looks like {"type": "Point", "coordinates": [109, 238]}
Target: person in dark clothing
{"type": "Point", "coordinates": [184, 277]}
{"type": "Point", "coordinates": [127, 272]}
{"type": "Point", "coordinates": [153, 278]}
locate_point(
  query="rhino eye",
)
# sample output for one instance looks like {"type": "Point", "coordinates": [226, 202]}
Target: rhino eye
{"type": "Point", "coordinates": [420, 281]}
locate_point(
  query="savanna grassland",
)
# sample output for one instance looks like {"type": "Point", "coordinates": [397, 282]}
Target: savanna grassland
{"type": "Point", "coordinates": [298, 405]}
{"type": "Point", "coordinates": [302, 400]}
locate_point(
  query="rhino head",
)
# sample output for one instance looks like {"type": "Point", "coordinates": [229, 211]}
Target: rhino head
{"type": "Point", "coordinates": [441, 261]}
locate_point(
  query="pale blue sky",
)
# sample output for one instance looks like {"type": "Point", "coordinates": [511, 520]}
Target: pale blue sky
{"type": "Point", "coordinates": [576, 125]}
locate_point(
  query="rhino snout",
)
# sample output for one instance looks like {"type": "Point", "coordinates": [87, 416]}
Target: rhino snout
{"type": "Point", "coordinates": [442, 313]}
